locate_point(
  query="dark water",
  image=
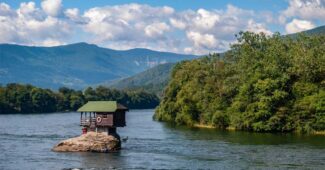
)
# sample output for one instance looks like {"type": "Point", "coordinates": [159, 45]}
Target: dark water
{"type": "Point", "coordinates": [26, 140]}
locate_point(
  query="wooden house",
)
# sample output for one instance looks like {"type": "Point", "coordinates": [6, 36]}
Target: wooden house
{"type": "Point", "coordinates": [102, 116]}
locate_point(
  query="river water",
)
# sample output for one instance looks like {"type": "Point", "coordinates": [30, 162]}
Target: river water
{"type": "Point", "coordinates": [26, 142]}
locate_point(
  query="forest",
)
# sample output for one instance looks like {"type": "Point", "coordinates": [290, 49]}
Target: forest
{"type": "Point", "coordinates": [263, 83]}
{"type": "Point", "coordinates": [19, 98]}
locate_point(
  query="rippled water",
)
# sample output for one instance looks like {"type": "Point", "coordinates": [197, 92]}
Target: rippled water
{"type": "Point", "coordinates": [26, 142]}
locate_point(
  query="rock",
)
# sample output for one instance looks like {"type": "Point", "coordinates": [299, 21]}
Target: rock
{"type": "Point", "coordinates": [90, 142]}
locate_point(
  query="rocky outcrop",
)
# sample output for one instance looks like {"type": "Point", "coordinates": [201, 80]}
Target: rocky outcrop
{"type": "Point", "coordinates": [90, 142]}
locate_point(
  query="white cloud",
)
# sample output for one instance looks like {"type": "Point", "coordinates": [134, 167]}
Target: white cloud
{"type": "Point", "coordinates": [205, 20]}
{"type": "Point", "coordinates": [72, 13]}
{"type": "Point", "coordinates": [213, 30]}
{"type": "Point", "coordinates": [304, 9]}
{"type": "Point", "coordinates": [31, 26]}
{"type": "Point", "coordinates": [51, 7]}
{"type": "Point", "coordinates": [156, 29]}
{"type": "Point", "coordinates": [257, 27]}
{"type": "Point", "coordinates": [27, 8]}
{"type": "Point", "coordinates": [6, 31]}
{"type": "Point", "coordinates": [297, 25]}
{"type": "Point", "coordinates": [177, 23]}
{"type": "Point", "coordinates": [118, 24]}
{"type": "Point", "coordinates": [29, 11]}
{"type": "Point", "coordinates": [207, 41]}
{"type": "Point", "coordinates": [4, 8]}
{"type": "Point", "coordinates": [127, 26]}
{"type": "Point", "coordinates": [128, 12]}
{"type": "Point", "coordinates": [50, 42]}
{"type": "Point", "coordinates": [50, 27]}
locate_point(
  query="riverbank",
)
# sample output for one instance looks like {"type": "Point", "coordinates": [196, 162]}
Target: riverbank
{"type": "Point", "coordinates": [203, 126]}
{"type": "Point", "coordinates": [319, 133]}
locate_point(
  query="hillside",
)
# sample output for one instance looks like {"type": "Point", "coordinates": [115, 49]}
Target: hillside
{"type": "Point", "coordinates": [152, 80]}
{"type": "Point", "coordinates": [263, 84]}
{"type": "Point", "coordinates": [315, 31]}
{"type": "Point", "coordinates": [76, 65]}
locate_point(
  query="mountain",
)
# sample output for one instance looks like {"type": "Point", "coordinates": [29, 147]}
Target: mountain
{"type": "Point", "coordinates": [152, 80]}
{"type": "Point", "coordinates": [315, 31]}
{"type": "Point", "coordinates": [76, 65]}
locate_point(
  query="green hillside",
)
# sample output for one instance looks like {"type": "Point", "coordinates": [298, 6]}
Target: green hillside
{"type": "Point", "coordinates": [152, 80]}
{"type": "Point", "coordinates": [314, 32]}
{"type": "Point", "coordinates": [263, 84]}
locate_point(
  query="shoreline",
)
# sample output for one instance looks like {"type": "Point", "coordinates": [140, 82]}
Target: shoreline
{"type": "Point", "coordinates": [321, 133]}
{"type": "Point", "coordinates": [203, 126]}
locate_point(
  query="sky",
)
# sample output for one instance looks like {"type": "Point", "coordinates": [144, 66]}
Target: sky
{"type": "Point", "coordinates": [181, 26]}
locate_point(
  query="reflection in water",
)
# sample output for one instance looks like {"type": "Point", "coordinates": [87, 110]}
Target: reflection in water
{"type": "Point", "coordinates": [101, 160]}
{"type": "Point", "coordinates": [26, 141]}
{"type": "Point", "coordinates": [249, 138]}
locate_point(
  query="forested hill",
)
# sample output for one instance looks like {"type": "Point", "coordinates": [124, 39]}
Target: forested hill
{"type": "Point", "coordinates": [153, 80]}
{"type": "Point", "coordinates": [316, 31]}
{"type": "Point", "coordinates": [76, 65]}
{"type": "Point", "coordinates": [264, 84]}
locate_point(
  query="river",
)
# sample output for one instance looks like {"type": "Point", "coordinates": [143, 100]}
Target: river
{"type": "Point", "coordinates": [26, 142]}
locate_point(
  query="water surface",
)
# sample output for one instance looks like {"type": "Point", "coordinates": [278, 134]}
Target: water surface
{"type": "Point", "coordinates": [26, 142]}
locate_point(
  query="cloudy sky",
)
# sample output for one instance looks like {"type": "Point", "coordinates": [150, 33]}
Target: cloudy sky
{"type": "Point", "coordinates": [183, 26]}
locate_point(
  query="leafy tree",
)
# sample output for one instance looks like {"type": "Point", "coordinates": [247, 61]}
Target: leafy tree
{"type": "Point", "coordinates": [76, 100]}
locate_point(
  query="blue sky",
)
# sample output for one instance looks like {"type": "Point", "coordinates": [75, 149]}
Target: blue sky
{"type": "Point", "coordinates": [273, 5]}
{"type": "Point", "coordinates": [183, 26]}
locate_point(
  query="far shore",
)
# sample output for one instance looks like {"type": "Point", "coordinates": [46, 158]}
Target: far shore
{"type": "Point", "coordinates": [67, 111]}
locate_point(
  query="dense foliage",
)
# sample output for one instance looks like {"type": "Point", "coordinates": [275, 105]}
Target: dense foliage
{"type": "Point", "coordinates": [264, 83]}
{"type": "Point", "coordinates": [17, 98]}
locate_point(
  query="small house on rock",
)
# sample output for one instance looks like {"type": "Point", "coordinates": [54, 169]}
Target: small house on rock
{"type": "Point", "coordinates": [102, 116]}
{"type": "Point", "coordinates": [97, 116]}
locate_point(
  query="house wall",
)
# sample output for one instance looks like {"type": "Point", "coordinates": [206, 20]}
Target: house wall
{"type": "Point", "coordinates": [106, 119]}
{"type": "Point", "coordinates": [119, 118]}
{"type": "Point", "coordinates": [116, 119]}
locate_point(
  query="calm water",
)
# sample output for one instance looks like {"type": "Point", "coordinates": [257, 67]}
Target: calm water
{"type": "Point", "coordinates": [26, 141]}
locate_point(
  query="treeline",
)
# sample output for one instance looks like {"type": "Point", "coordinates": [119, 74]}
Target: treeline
{"type": "Point", "coordinates": [18, 98]}
{"type": "Point", "coordinates": [264, 83]}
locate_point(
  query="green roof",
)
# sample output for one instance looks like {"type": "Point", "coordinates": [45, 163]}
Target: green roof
{"type": "Point", "coordinates": [99, 106]}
